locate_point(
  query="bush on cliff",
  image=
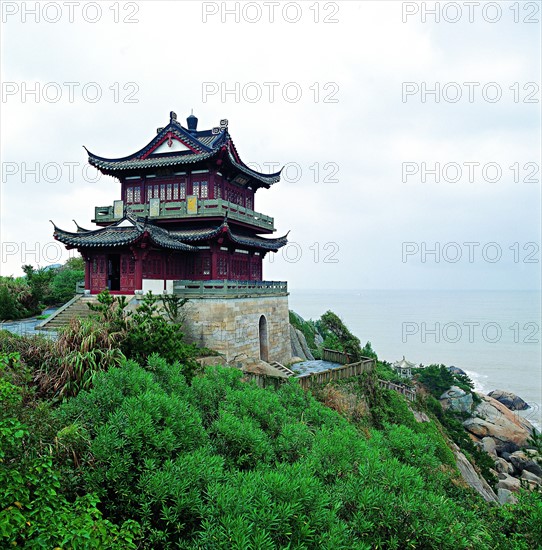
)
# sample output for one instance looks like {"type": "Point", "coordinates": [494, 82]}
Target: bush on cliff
{"type": "Point", "coordinates": [224, 464]}
{"type": "Point", "coordinates": [152, 457]}
{"type": "Point", "coordinates": [34, 510]}
{"type": "Point", "coordinates": [438, 379]}
{"type": "Point", "coordinates": [337, 335]}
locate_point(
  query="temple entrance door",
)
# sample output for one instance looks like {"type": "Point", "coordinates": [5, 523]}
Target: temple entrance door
{"type": "Point", "coordinates": [113, 272]}
{"type": "Point", "coordinates": [264, 343]}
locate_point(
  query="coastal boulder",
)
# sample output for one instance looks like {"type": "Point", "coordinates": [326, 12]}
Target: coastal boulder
{"type": "Point", "coordinates": [493, 419]}
{"type": "Point", "coordinates": [508, 482]}
{"type": "Point", "coordinates": [489, 446]}
{"type": "Point", "coordinates": [523, 462]}
{"type": "Point", "coordinates": [456, 370]}
{"type": "Point", "coordinates": [456, 400]}
{"type": "Point", "coordinates": [506, 496]}
{"type": "Point", "coordinates": [509, 399]}
{"type": "Point", "coordinates": [503, 466]}
{"type": "Point", "coordinates": [531, 477]}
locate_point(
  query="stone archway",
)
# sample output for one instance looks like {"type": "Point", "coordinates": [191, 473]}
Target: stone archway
{"type": "Point", "coordinates": [264, 341]}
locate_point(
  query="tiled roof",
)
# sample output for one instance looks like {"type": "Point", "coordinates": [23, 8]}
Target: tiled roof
{"type": "Point", "coordinates": [253, 241]}
{"type": "Point", "coordinates": [120, 235]}
{"type": "Point", "coordinates": [151, 162]}
{"type": "Point", "coordinates": [202, 145]}
{"type": "Point", "coordinates": [270, 179]}
{"type": "Point", "coordinates": [404, 364]}
{"type": "Point", "coordinates": [128, 231]}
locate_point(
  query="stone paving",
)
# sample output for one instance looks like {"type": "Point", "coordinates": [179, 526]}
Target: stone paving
{"type": "Point", "coordinates": [27, 326]}
{"type": "Point", "coordinates": [313, 366]}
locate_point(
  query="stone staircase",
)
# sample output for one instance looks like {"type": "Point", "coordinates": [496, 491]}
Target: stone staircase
{"type": "Point", "coordinates": [76, 307]}
{"type": "Point", "coordinates": [285, 370]}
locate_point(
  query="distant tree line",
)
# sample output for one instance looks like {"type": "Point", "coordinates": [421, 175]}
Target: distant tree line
{"type": "Point", "coordinates": [30, 294]}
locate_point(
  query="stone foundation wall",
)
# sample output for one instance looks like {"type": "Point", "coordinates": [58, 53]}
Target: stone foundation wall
{"type": "Point", "coordinates": [231, 326]}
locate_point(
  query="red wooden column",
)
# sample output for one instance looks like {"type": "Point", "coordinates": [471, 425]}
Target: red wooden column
{"type": "Point", "coordinates": [211, 189]}
{"type": "Point", "coordinates": [138, 256]}
{"type": "Point", "coordinates": [215, 251]}
{"type": "Point", "coordinates": [87, 273]}
{"type": "Point", "coordinates": [164, 268]}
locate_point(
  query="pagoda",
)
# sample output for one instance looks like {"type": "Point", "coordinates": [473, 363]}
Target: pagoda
{"type": "Point", "coordinates": [185, 223]}
{"type": "Point", "coordinates": [186, 212]}
{"type": "Point", "coordinates": [403, 368]}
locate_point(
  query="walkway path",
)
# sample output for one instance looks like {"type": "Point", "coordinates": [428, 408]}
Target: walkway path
{"type": "Point", "coordinates": [27, 326]}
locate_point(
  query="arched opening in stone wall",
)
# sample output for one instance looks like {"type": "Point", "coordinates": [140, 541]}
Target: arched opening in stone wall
{"type": "Point", "coordinates": [264, 343]}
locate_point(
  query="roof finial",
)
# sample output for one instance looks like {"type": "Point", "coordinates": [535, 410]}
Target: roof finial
{"type": "Point", "coordinates": [192, 123]}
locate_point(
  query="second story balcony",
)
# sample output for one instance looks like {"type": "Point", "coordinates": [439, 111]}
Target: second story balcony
{"type": "Point", "coordinates": [205, 208]}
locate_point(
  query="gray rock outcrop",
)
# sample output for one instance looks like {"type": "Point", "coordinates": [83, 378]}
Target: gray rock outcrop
{"type": "Point", "coordinates": [506, 496]}
{"type": "Point", "coordinates": [489, 446]}
{"type": "Point", "coordinates": [509, 400]}
{"type": "Point", "coordinates": [503, 466]}
{"type": "Point", "coordinates": [471, 476]}
{"type": "Point", "coordinates": [456, 370]}
{"type": "Point", "coordinates": [457, 400]}
{"type": "Point", "coordinates": [299, 345]}
{"type": "Point", "coordinates": [523, 462]}
{"type": "Point", "coordinates": [508, 482]}
{"type": "Point", "coordinates": [531, 477]}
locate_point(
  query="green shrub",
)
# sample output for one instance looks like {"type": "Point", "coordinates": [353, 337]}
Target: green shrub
{"type": "Point", "coordinates": [34, 512]}
{"type": "Point", "coordinates": [438, 379]}
{"type": "Point", "coordinates": [144, 458]}
{"type": "Point", "coordinates": [64, 283]}
{"type": "Point", "coordinates": [339, 333]}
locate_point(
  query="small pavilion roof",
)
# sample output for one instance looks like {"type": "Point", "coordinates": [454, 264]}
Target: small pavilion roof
{"type": "Point", "coordinates": [404, 364]}
{"type": "Point", "coordinates": [129, 230]}
{"type": "Point", "coordinates": [196, 147]}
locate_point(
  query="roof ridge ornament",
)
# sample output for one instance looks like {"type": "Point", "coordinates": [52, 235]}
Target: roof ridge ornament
{"type": "Point", "coordinates": [192, 123]}
{"type": "Point", "coordinates": [172, 116]}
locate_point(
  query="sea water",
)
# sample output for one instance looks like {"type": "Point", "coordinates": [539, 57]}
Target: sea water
{"type": "Point", "coordinates": [494, 336]}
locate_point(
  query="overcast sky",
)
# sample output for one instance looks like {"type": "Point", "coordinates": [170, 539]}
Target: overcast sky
{"type": "Point", "coordinates": [351, 115]}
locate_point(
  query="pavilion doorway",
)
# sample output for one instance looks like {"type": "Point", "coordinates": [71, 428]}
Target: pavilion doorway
{"type": "Point", "coordinates": [113, 272]}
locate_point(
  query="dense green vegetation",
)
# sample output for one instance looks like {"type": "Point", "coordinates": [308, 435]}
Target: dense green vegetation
{"type": "Point", "coordinates": [25, 296]}
{"type": "Point", "coordinates": [330, 332]}
{"type": "Point", "coordinates": [437, 379]}
{"type": "Point", "coordinates": [149, 452]}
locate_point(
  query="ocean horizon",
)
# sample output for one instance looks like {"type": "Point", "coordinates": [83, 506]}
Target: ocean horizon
{"type": "Point", "coordinates": [493, 335]}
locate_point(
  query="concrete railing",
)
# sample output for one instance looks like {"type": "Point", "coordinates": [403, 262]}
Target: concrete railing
{"type": "Point", "coordinates": [177, 209]}
{"type": "Point", "coordinates": [229, 289]}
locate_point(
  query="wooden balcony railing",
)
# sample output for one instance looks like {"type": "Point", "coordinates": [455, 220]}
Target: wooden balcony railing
{"type": "Point", "coordinates": [206, 208]}
{"type": "Point", "coordinates": [229, 289]}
